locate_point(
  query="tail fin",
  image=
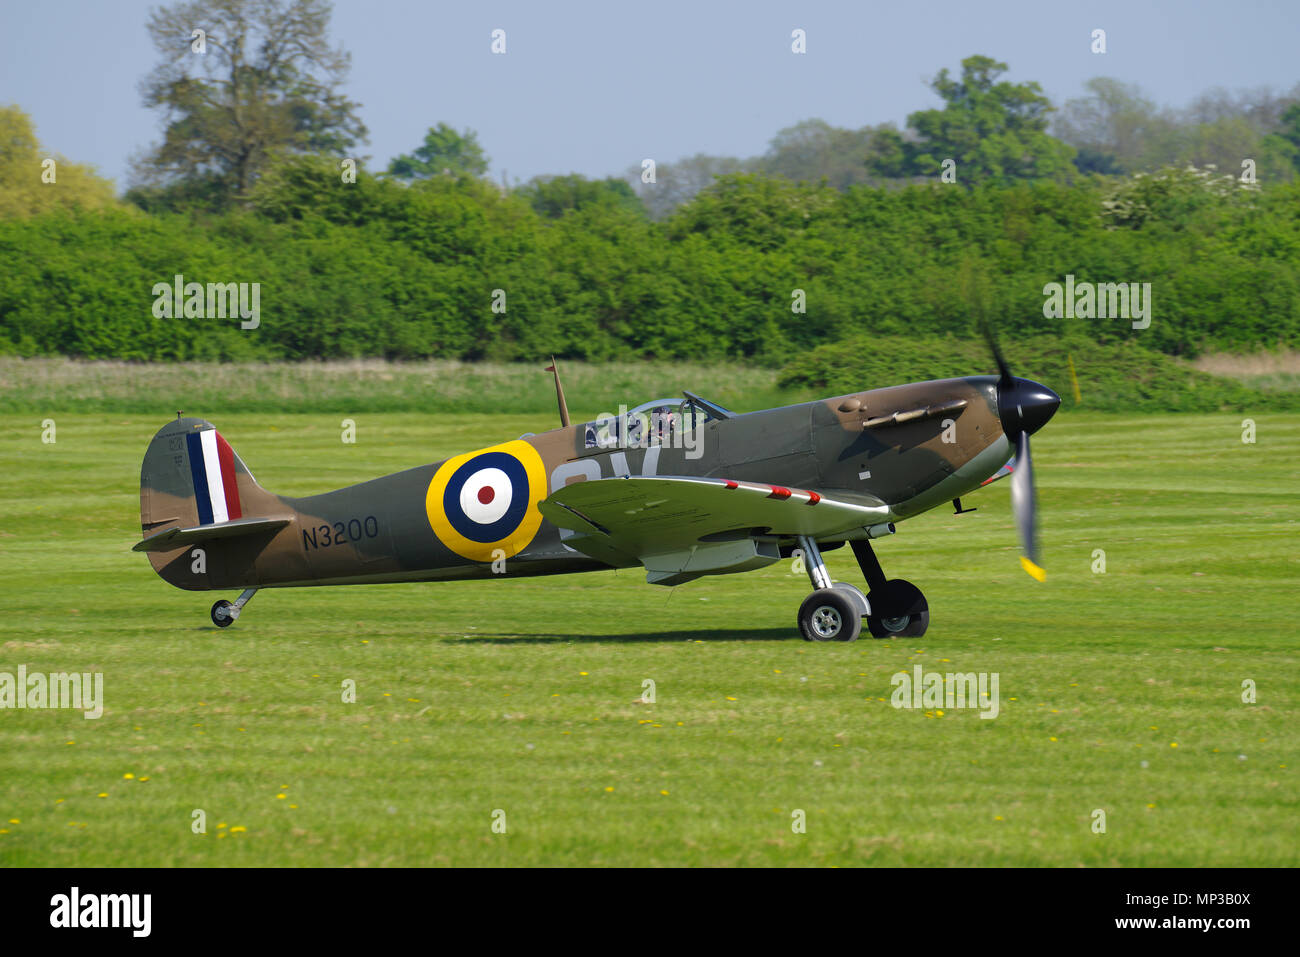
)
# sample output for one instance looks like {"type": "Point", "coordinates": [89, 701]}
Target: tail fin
{"type": "Point", "coordinates": [195, 489]}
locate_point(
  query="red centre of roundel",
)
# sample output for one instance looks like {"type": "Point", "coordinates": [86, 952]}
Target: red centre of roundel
{"type": "Point", "coordinates": [486, 495]}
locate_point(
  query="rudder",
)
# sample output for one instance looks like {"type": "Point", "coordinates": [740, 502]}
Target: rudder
{"type": "Point", "coordinates": [190, 478]}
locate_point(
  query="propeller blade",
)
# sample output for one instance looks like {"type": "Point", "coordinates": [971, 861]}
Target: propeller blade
{"type": "Point", "coordinates": [1024, 503]}
{"type": "Point", "coordinates": [1004, 370]}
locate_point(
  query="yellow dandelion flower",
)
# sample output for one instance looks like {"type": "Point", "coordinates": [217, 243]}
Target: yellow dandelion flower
{"type": "Point", "coordinates": [293, 806]}
{"type": "Point", "coordinates": [1173, 744]}
{"type": "Point", "coordinates": [102, 794]}
{"type": "Point", "coordinates": [281, 797]}
{"type": "Point", "coordinates": [609, 789]}
{"type": "Point", "coordinates": [238, 828]}
{"type": "Point", "coordinates": [664, 793]}
{"type": "Point", "coordinates": [146, 777]}
{"type": "Point", "coordinates": [14, 820]}
{"type": "Point", "coordinates": [128, 776]}
{"type": "Point", "coordinates": [1051, 739]}
{"type": "Point", "coordinates": [583, 673]}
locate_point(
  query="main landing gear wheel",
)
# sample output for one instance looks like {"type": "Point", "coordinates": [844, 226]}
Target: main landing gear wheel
{"type": "Point", "coordinates": [220, 617]}
{"type": "Point", "coordinates": [829, 614]}
{"type": "Point", "coordinates": [833, 612]}
{"type": "Point", "coordinates": [899, 610]}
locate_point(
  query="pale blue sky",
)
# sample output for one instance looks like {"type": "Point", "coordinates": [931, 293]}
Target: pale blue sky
{"type": "Point", "coordinates": [596, 87]}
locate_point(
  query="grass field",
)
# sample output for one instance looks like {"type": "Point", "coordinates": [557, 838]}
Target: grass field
{"type": "Point", "coordinates": [1120, 691]}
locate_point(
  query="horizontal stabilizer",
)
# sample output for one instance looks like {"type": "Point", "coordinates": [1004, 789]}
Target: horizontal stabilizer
{"type": "Point", "coordinates": [197, 534]}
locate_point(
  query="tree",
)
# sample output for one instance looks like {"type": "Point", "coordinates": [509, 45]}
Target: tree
{"type": "Point", "coordinates": [813, 149]}
{"type": "Point", "coordinates": [676, 183]}
{"type": "Point", "coordinates": [1115, 128]}
{"type": "Point", "coordinates": [993, 131]}
{"type": "Point", "coordinates": [266, 81]}
{"type": "Point", "coordinates": [444, 152]}
{"type": "Point", "coordinates": [553, 196]}
{"type": "Point", "coordinates": [31, 185]}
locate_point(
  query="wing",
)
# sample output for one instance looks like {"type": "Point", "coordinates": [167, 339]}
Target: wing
{"type": "Point", "coordinates": [196, 534]}
{"type": "Point", "coordinates": [680, 527]}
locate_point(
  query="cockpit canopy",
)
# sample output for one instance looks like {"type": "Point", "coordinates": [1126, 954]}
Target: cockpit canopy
{"type": "Point", "coordinates": [657, 422]}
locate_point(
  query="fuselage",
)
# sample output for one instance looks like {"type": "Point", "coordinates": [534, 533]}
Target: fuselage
{"type": "Point", "coordinates": [908, 447]}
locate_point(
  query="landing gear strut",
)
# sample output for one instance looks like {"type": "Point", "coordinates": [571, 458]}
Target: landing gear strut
{"type": "Point", "coordinates": [833, 612]}
{"type": "Point", "coordinates": [898, 609]}
{"type": "Point", "coordinates": [224, 613]}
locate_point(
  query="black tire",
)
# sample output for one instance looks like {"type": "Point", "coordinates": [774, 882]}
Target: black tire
{"type": "Point", "coordinates": [898, 610]}
{"type": "Point", "coordinates": [829, 614]}
{"type": "Point", "coordinates": [222, 621]}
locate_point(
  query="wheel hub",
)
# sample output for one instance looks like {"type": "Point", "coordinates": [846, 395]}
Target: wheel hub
{"type": "Point", "coordinates": [826, 622]}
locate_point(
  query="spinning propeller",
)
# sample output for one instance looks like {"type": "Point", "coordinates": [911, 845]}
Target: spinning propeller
{"type": "Point", "coordinates": [1024, 407]}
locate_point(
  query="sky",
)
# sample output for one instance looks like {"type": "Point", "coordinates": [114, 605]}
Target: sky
{"type": "Point", "coordinates": [595, 88]}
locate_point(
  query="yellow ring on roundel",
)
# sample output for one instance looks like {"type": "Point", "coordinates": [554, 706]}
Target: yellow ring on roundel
{"type": "Point", "coordinates": [518, 539]}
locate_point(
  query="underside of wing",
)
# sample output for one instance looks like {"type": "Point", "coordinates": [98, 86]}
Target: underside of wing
{"type": "Point", "coordinates": [197, 534]}
{"type": "Point", "coordinates": [682, 527]}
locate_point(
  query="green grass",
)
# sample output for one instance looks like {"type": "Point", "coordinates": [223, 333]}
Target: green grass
{"type": "Point", "coordinates": [519, 695]}
{"type": "Point", "coordinates": [352, 387]}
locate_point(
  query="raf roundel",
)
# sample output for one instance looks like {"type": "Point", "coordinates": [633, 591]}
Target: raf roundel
{"type": "Point", "coordinates": [484, 503]}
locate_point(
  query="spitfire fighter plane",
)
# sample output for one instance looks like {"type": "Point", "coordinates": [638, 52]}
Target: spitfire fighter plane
{"type": "Point", "coordinates": [682, 488]}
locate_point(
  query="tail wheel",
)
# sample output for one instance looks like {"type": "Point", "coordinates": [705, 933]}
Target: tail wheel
{"type": "Point", "coordinates": [830, 614]}
{"type": "Point", "coordinates": [899, 610]}
{"type": "Point", "coordinates": [221, 620]}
